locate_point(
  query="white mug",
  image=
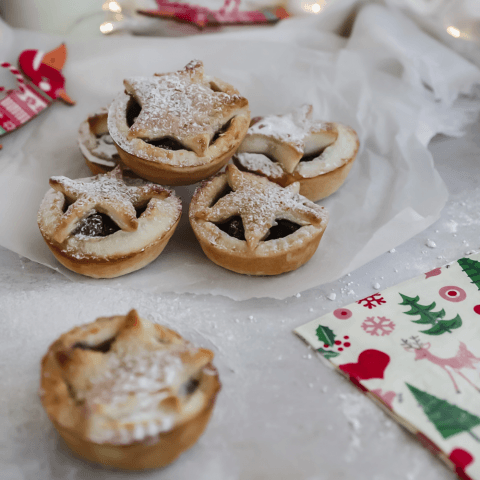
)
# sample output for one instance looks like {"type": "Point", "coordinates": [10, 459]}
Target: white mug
{"type": "Point", "coordinates": [52, 16]}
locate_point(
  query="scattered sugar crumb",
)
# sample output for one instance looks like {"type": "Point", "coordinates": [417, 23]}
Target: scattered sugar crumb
{"type": "Point", "coordinates": [298, 295]}
{"type": "Point", "coordinates": [376, 286]}
{"type": "Point", "coordinates": [332, 296]}
{"type": "Point", "coordinates": [392, 250]}
{"type": "Point", "coordinates": [430, 243]}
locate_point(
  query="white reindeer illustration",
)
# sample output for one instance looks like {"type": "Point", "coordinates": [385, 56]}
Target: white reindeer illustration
{"type": "Point", "coordinates": [463, 359]}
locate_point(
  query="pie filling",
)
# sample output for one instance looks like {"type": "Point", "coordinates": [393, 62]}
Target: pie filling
{"type": "Point", "coordinates": [312, 156]}
{"type": "Point", "coordinates": [96, 225]}
{"type": "Point", "coordinates": [226, 190]}
{"type": "Point", "coordinates": [100, 225]}
{"type": "Point", "coordinates": [167, 143]}
{"type": "Point", "coordinates": [190, 386]}
{"type": "Point", "coordinates": [133, 111]}
{"type": "Point", "coordinates": [282, 229]}
{"type": "Point", "coordinates": [213, 86]}
{"type": "Point", "coordinates": [103, 347]}
{"type": "Point", "coordinates": [234, 227]}
{"type": "Point", "coordinates": [221, 131]}
{"type": "Point", "coordinates": [305, 158]}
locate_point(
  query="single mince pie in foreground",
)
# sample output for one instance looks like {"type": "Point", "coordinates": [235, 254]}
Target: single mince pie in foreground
{"type": "Point", "coordinates": [178, 128]}
{"type": "Point", "coordinates": [293, 148]}
{"type": "Point", "coordinates": [97, 145]}
{"type": "Point", "coordinates": [128, 393]}
{"type": "Point", "coordinates": [106, 226]}
{"type": "Point", "coordinates": [250, 225]}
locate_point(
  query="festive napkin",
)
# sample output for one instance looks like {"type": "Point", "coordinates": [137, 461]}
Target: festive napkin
{"type": "Point", "coordinates": [395, 99]}
{"type": "Point", "coordinates": [415, 349]}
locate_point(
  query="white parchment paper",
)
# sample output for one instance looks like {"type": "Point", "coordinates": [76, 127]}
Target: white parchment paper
{"type": "Point", "coordinates": [393, 97]}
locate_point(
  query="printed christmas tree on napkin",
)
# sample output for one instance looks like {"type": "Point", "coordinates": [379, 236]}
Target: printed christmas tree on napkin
{"type": "Point", "coordinates": [415, 349]}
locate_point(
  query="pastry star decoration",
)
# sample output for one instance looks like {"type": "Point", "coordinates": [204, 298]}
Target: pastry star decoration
{"type": "Point", "coordinates": [260, 202]}
{"type": "Point", "coordinates": [105, 194]}
{"type": "Point", "coordinates": [182, 105]}
{"type": "Point", "coordinates": [140, 362]}
{"type": "Point", "coordinates": [289, 137]}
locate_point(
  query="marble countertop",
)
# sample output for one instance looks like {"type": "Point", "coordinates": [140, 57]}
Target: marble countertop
{"type": "Point", "coordinates": [281, 413]}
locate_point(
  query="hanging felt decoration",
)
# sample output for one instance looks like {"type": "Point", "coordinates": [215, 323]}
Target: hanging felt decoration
{"type": "Point", "coordinates": [229, 14]}
{"type": "Point", "coordinates": [40, 84]}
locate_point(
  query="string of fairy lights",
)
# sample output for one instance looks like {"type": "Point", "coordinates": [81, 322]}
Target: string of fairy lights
{"type": "Point", "coordinates": [120, 12]}
{"type": "Point", "coordinates": [115, 8]}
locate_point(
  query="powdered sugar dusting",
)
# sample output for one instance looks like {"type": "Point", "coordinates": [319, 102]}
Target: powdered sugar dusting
{"type": "Point", "coordinates": [105, 148]}
{"type": "Point", "coordinates": [100, 186]}
{"type": "Point", "coordinates": [291, 127]}
{"type": "Point", "coordinates": [186, 106]}
{"type": "Point", "coordinates": [180, 104]}
{"type": "Point", "coordinates": [129, 391]}
{"type": "Point", "coordinates": [257, 162]}
{"type": "Point", "coordinates": [100, 155]}
{"type": "Point", "coordinates": [260, 202]}
{"type": "Point", "coordinates": [142, 374]}
{"type": "Point", "coordinates": [111, 187]}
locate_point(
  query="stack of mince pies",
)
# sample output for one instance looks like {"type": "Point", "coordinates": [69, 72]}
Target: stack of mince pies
{"type": "Point", "coordinates": [257, 217]}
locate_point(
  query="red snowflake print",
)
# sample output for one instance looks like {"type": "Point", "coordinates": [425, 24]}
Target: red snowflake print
{"type": "Point", "coordinates": [383, 326]}
{"type": "Point", "coordinates": [372, 301]}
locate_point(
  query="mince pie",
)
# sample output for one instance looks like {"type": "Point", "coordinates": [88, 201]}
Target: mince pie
{"type": "Point", "coordinates": [128, 393]}
{"type": "Point", "coordinates": [250, 225]}
{"type": "Point", "coordinates": [106, 226]}
{"type": "Point", "coordinates": [178, 128]}
{"type": "Point", "coordinates": [97, 146]}
{"type": "Point", "coordinates": [293, 148]}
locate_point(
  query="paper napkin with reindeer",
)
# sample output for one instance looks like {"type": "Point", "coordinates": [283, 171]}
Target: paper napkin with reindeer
{"type": "Point", "coordinates": [415, 350]}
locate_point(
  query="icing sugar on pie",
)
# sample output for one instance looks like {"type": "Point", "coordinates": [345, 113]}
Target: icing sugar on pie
{"type": "Point", "coordinates": [178, 128]}
{"type": "Point", "coordinates": [294, 148]}
{"type": "Point", "coordinates": [96, 144]}
{"type": "Point", "coordinates": [107, 225]}
{"type": "Point", "coordinates": [250, 225]}
{"type": "Point", "coordinates": [128, 393]}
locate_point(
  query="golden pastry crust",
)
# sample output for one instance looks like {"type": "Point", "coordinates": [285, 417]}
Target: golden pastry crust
{"type": "Point", "coordinates": [262, 206]}
{"type": "Point", "coordinates": [178, 128]}
{"type": "Point", "coordinates": [128, 393]}
{"type": "Point", "coordinates": [96, 144]}
{"type": "Point", "coordinates": [293, 148]}
{"type": "Point", "coordinates": [91, 224]}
